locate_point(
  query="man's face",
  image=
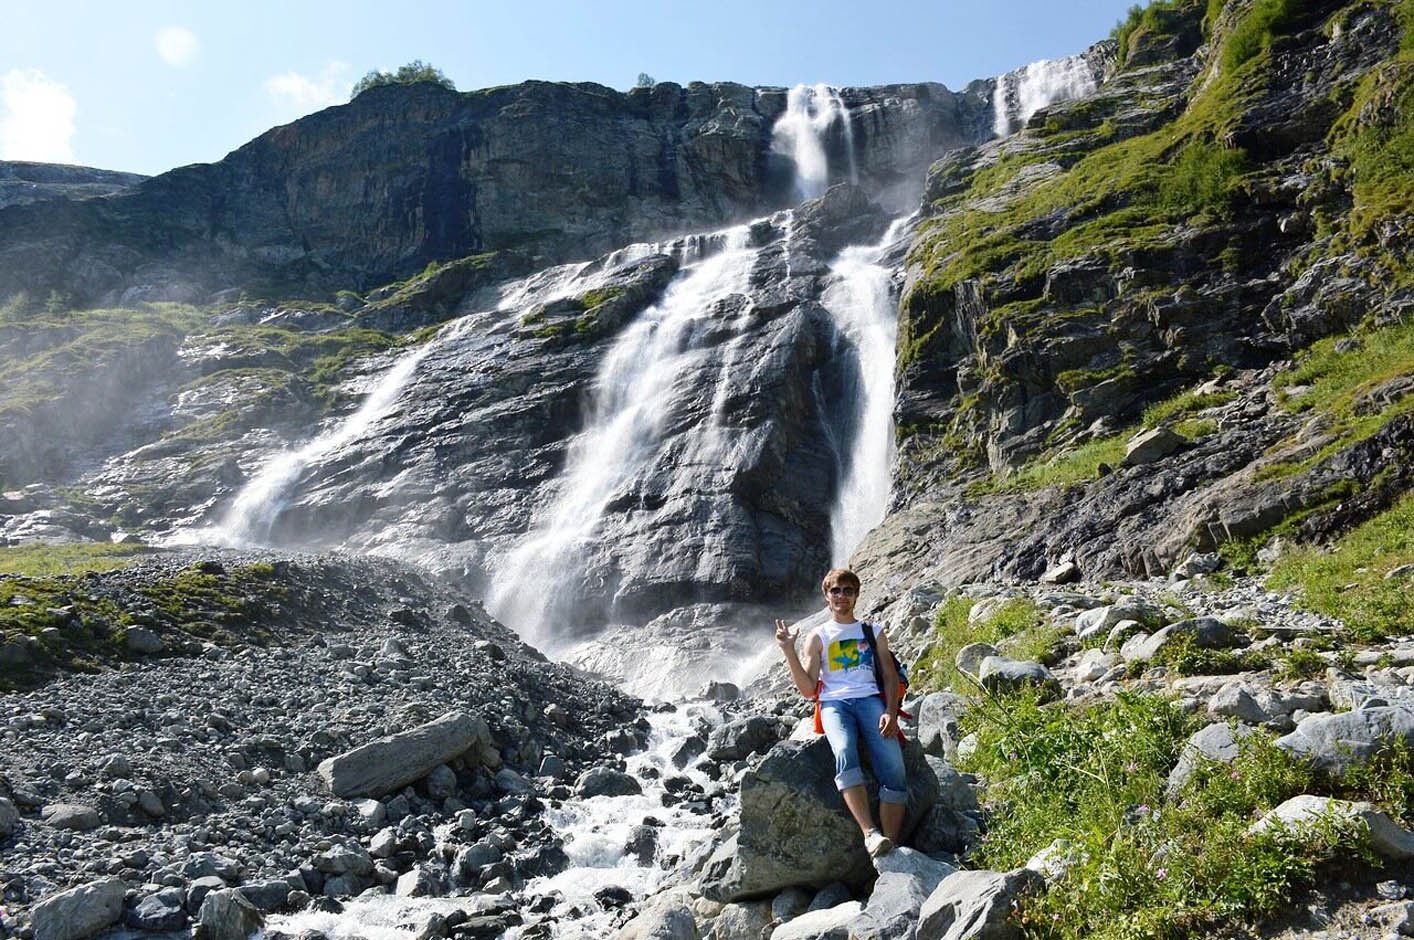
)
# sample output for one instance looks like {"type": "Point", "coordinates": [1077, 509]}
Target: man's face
{"type": "Point", "coordinates": [841, 598]}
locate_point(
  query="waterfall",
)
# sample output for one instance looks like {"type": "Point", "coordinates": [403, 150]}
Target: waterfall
{"type": "Point", "coordinates": [251, 516]}
{"type": "Point", "coordinates": [861, 300]}
{"type": "Point", "coordinates": [801, 133]}
{"type": "Point", "coordinates": [253, 512]}
{"type": "Point", "coordinates": [634, 397]}
{"type": "Point", "coordinates": [1023, 92]}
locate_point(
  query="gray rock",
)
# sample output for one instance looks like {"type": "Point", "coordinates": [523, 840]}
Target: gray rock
{"type": "Point", "coordinates": [975, 905]}
{"type": "Point", "coordinates": [747, 919]}
{"type": "Point", "coordinates": [936, 722]}
{"type": "Point", "coordinates": [606, 781]}
{"type": "Point", "coordinates": [441, 783]}
{"type": "Point", "coordinates": [389, 763]}
{"type": "Point", "coordinates": [199, 888]}
{"type": "Point", "coordinates": [79, 912]}
{"type": "Point", "coordinates": [227, 915]}
{"type": "Point", "coordinates": [1217, 742]}
{"type": "Point", "coordinates": [1236, 700]}
{"type": "Point", "coordinates": [1337, 742]}
{"type": "Point", "coordinates": [143, 641]}
{"type": "Point", "coordinates": [666, 917]}
{"type": "Point", "coordinates": [831, 923]}
{"type": "Point", "coordinates": [9, 816]}
{"type": "Point", "coordinates": [1204, 632]}
{"type": "Point", "coordinates": [268, 895]}
{"type": "Point", "coordinates": [421, 882]}
{"type": "Point", "coordinates": [970, 657]}
{"type": "Point", "coordinates": [344, 859]}
{"type": "Point", "coordinates": [952, 823]}
{"type": "Point", "coordinates": [794, 830]}
{"type": "Point", "coordinates": [1066, 572]}
{"type": "Point", "coordinates": [906, 879]}
{"type": "Point", "coordinates": [1387, 838]}
{"type": "Point", "coordinates": [71, 816]}
{"type": "Point", "coordinates": [1151, 445]}
{"type": "Point", "coordinates": [792, 902]}
{"type": "Point", "coordinates": [1000, 675]}
{"type": "Point", "coordinates": [1097, 620]}
{"type": "Point", "coordinates": [163, 911]}
{"type": "Point", "coordinates": [739, 739]}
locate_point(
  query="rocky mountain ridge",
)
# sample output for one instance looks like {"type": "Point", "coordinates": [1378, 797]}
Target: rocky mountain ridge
{"type": "Point", "coordinates": [23, 182]}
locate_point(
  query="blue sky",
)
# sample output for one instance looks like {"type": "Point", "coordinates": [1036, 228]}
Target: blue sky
{"type": "Point", "coordinates": [147, 85]}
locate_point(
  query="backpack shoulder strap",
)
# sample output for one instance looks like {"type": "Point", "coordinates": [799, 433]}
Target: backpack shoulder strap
{"type": "Point", "coordinates": [873, 652]}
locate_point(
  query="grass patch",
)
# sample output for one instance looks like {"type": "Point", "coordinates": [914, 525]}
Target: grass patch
{"type": "Point", "coordinates": [76, 622]}
{"type": "Point", "coordinates": [1187, 658]}
{"type": "Point", "coordinates": [44, 560]}
{"type": "Point", "coordinates": [1349, 581]}
{"type": "Point", "coordinates": [1139, 865]}
{"type": "Point", "coordinates": [1016, 627]}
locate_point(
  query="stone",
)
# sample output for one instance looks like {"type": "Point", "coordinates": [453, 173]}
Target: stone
{"type": "Point", "coordinates": [936, 722]}
{"type": "Point", "coordinates": [665, 917]}
{"type": "Point", "coordinates": [831, 923]}
{"type": "Point", "coordinates": [1387, 838]}
{"type": "Point", "coordinates": [71, 816]}
{"type": "Point", "coordinates": [9, 817]}
{"type": "Point", "coordinates": [739, 739]}
{"type": "Point", "coordinates": [1337, 742]}
{"type": "Point", "coordinates": [385, 765]}
{"type": "Point", "coordinates": [1001, 675]}
{"type": "Point", "coordinates": [975, 905]}
{"type": "Point", "coordinates": [1203, 632]}
{"type": "Point", "coordinates": [1152, 445]}
{"type": "Point", "coordinates": [606, 781]}
{"type": "Point", "coordinates": [441, 783]}
{"type": "Point", "coordinates": [794, 830]}
{"type": "Point", "coordinates": [267, 895]}
{"type": "Point", "coordinates": [970, 657]}
{"type": "Point", "coordinates": [226, 915]}
{"type": "Point", "coordinates": [1219, 742]}
{"type": "Point", "coordinates": [79, 912]}
{"type": "Point", "coordinates": [143, 641]}
{"type": "Point", "coordinates": [163, 911]}
{"type": "Point", "coordinates": [1067, 572]}
{"type": "Point", "coordinates": [906, 879]}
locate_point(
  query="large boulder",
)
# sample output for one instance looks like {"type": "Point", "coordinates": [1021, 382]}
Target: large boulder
{"type": "Point", "coordinates": [1337, 742]}
{"type": "Point", "coordinates": [906, 879]}
{"type": "Point", "coordinates": [385, 765]}
{"type": "Point", "coordinates": [975, 905]}
{"type": "Point", "coordinates": [1307, 812]}
{"type": "Point", "coordinates": [79, 912]}
{"type": "Point", "coordinates": [227, 915]}
{"type": "Point", "coordinates": [794, 828]}
{"type": "Point", "coordinates": [830, 923]}
{"type": "Point", "coordinates": [1218, 742]}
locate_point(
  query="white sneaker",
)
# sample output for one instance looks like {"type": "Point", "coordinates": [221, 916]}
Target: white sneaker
{"type": "Point", "coordinates": [877, 844]}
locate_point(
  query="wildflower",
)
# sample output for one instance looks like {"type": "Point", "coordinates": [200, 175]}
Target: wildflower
{"type": "Point", "coordinates": [1235, 775]}
{"type": "Point", "coordinates": [1131, 767]}
{"type": "Point", "coordinates": [1161, 874]}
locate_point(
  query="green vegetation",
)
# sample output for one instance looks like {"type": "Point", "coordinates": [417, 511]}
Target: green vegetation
{"type": "Point", "coordinates": [410, 74]}
{"type": "Point", "coordinates": [43, 559]}
{"type": "Point", "coordinates": [1138, 864]}
{"type": "Point", "coordinates": [1187, 658]}
{"type": "Point", "coordinates": [73, 347]}
{"type": "Point", "coordinates": [1016, 627]}
{"type": "Point", "coordinates": [1339, 380]}
{"type": "Point", "coordinates": [1350, 582]}
{"type": "Point", "coordinates": [68, 621]}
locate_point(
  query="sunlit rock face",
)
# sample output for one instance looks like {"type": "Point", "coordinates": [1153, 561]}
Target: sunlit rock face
{"type": "Point", "coordinates": [360, 194]}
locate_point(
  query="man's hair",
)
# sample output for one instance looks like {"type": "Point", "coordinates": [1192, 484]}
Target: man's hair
{"type": "Point", "coordinates": [840, 576]}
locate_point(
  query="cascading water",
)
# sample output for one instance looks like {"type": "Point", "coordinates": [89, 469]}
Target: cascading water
{"type": "Point", "coordinates": [1022, 93]}
{"type": "Point", "coordinates": [861, 300]}
{"type": "Point", "coordinates": [256, 507]}
{"type": "Point", "coordinates": [634, 396]}
{"type": "Point", "coordinates": [802, 133]}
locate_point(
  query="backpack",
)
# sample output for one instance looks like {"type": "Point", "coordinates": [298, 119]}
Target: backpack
{"type": "Point", "coordinates": [899, 668]}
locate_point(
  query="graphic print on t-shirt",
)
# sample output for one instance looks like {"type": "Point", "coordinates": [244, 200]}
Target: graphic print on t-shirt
{"type": "Point", "coordinates": [850, 654]}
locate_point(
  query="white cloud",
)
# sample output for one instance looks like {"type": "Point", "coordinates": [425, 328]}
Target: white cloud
{"type": "Point", "coordinates": [177, 45]}
{"type": "Point", "coordinates": [36, 118]}
{"type": "Point", "coordinates": [301, 94]}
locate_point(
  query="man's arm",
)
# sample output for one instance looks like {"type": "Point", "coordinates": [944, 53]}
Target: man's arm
{"type": "Point", "coordinates": [888, 722]}
{"type": "Point", "coordinates": [805, 674]}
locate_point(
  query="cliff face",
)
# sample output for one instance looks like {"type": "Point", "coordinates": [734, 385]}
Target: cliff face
{"type": "Point", "coordinates": [1149, 257]}
{"type": "Point", "coordinates": [359, 194]}
{"type": "Point", "coordinates": [23, 182]}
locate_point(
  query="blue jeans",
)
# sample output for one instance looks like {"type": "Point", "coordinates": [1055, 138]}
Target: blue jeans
{"type": "Point", "coordinates": [846, 722]}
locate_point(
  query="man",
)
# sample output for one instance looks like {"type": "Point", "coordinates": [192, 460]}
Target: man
{"type": "Point", "coordinates": [839, 666]}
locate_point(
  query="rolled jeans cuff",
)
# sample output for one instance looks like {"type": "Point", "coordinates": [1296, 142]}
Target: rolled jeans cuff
{"type": "Point", "coordinates": [853, 777]}
{"type": "Point", "coordinates": [892, 796]}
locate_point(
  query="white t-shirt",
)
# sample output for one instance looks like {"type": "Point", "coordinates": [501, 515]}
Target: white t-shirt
{"type": "Point", "coordinates": [846, 661]}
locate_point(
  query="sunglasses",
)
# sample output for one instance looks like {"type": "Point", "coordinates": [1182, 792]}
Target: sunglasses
{"type": "Point", "coordinates": [841, 591]}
